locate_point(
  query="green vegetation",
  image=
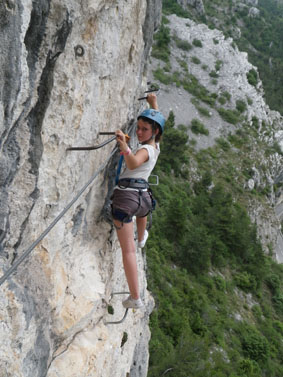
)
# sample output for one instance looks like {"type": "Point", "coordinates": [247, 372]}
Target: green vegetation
{"type": "Point", "coordinates": [195, 60]}
{"type": "Point", "coordinates": [241, 106]}
{"type": "Point", "coordinates": [229, 116]}
{"type": "Point", "coordinates": [227, 95]}
{"type": "Point", "coordinates": [202, 110]}
{"type": "Point", "coordinates": [161, 76]}
{"type": "Point", "coordinates": [182, 44]}
{"type": "Point", "coordinates": [197, 43]}
{"type": "Point", "coordinates": [183, 64]}
{"type": "Point", "coordinates": [260, 36]}
{"type": "Point", "coordinates": [262, 39]}
{"type": "Point", "coordinates": [160, 48]}
{"type": "Point", "coordinates": [174, 149]}
{"type": "Point", "coordinates": [224, 97]}
{"type": "Point", "coordinates": [222, 100]}
{"type": "Point", "coordinates": [223, 143]}
{"type": "Point", "coordinates": [218, 65]}
{"type": "Point", "coordinates": [190, 83]}
{"type": "Point", "coordinates": [172, 7]}
{"type": "Point", "coordinates": [277, 148]}
{"type": "Point", "coordinates": [250, 101]}
{"type": "Point", "coordinates": [219, 307]}
{"type": "Point", "coordinates": [213, 74]}
{"type": "Point", "coordinates": [198, 127]}
{"type": "Point", "coordinates": [252, 77]}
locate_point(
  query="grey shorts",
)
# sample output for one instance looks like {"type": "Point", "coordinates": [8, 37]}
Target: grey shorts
{"type": "Point", "coordinates": [128, 203]}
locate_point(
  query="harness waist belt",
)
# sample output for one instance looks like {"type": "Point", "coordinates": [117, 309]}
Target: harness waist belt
{"type": "Point", "coordinates": [138, 184]}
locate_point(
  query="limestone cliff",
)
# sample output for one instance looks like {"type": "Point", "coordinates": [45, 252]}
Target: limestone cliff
{"type": "Point", "coordinates": [69, 69]}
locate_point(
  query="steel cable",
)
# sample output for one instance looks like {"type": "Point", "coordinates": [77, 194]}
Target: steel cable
{"type": "Point", "coordinates": [54, 222]}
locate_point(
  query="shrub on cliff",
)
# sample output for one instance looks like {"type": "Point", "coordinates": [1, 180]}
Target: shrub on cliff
{"type": "Point", "coordinates": [161, 49]}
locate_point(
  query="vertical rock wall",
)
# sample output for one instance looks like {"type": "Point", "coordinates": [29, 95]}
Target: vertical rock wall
{"type": "Point", "coordinates": [68, 70]}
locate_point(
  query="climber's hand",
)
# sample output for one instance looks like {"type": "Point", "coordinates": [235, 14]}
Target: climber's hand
{"type": "Point", "coordinates": [122, 140]}
{"type": "Point", "coordinates": [152, 100]}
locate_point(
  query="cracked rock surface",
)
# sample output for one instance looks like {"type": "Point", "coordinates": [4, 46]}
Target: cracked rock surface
{"type": "Point", "coordinates": [68, 70]}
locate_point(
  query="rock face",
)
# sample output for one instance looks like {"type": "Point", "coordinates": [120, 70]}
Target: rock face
{"type": "Point", "coordinates": [69, 69]}
{"type": "Point", "coordinates": [254, 12]}
{"type": "Point", "coordinates": [197, 4]}
{"type": "Point", "coordinates": [253, 3]}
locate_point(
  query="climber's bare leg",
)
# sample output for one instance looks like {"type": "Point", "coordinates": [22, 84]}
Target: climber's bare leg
{"type": "Point", "coordinates": [141, 225]}
{"type": "Point", "coordinates": [125, 234]}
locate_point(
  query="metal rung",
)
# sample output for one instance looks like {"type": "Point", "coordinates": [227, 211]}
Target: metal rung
{"type": "Point", "coordinates": [117, 322]}
{"type": "Point", "coordinates": [126, 311]}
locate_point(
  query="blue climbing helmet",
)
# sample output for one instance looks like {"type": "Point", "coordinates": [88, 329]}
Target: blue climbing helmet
{"type": "Point", "coordinates": [154, 115]}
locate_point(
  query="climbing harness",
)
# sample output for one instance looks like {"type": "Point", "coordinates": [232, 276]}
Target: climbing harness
{"type": "Point", "coordinates": [126, 311]}
{"type": "Point", "coordinates": [54, 222]}
{"type": "Point", "coordinates": [141, 185]}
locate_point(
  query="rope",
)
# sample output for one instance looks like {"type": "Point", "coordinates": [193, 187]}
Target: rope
{"type": "Point", "coordinates": [54, 222]}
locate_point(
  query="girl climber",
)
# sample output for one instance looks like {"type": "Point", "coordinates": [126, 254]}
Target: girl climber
{"type": "Point", "coordinates": [131, 196]}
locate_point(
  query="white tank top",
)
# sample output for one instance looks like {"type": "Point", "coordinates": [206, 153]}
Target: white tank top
{"type": "Point", "coordinates": [146, 168]}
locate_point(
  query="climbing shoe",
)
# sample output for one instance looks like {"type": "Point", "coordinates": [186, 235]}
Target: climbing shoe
{"type": "Point", "coordinates": [142, 243]}
{"type": "Point", "coordinates": [133, 304]}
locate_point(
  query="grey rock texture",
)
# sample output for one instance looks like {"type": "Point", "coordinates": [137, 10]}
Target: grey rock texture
{"type": "Point", "coordinates": [231, 71]}
{"type": "Point", "coordinates": [68, 69]}
{"type": "Point", "coordinates": [254, 12]}
{"type": "Point", "coordinates": [197, 4]}
{"type": "Point", "coordinates": [252, 3]}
